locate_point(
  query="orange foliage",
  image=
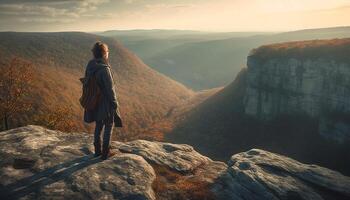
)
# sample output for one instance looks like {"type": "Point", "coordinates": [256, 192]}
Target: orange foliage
{"type": "Point", "coordinates": [171, 185]}
{"type": "Point", "coordinates": [15, 83]}
{"type": "Point", "coordinates": [58, 118]}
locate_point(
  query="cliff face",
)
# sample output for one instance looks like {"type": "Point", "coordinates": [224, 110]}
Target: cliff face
{"type": "Point", "coordinates": [297, 86]}
{"type": "Point", "coordinates": [310, 78]}
{"type": "Point", "coordinates": [37, 163]}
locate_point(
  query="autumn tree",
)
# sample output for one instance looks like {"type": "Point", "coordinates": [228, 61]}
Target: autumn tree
{"type": "Point", "coordinates": [15, 84]}
{"type": "Point", "coordinates": [58, 117]}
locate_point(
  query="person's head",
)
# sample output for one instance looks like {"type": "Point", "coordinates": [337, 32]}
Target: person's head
{"type": "Point", "coordinates": [100, 50]}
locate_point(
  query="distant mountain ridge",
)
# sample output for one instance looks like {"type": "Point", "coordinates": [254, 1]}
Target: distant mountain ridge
{"type": "Point", "coordinates": [203, 61]}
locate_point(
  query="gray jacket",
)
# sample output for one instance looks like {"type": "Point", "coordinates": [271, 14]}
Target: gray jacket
{"type": "Point", "coordinates": [108, 108]}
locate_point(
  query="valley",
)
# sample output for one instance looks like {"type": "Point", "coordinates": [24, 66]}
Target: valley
{"type": "Point", "coordinates": [258, 109]}
{"type": "Point", "coordinates": [202, 60]}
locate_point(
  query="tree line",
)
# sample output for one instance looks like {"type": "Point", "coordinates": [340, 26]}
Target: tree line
{"type": "Point", "coordinates": [17, 77]}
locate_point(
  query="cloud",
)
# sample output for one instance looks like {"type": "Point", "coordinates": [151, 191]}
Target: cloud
{"type": "Point", "coordinates": [129, 1]}
{"type": "Point", "coordinates": [218, 15]}
{"type": "Point", "coordinates": [45, 20]}
{"type": "Point", "coordinates": [34, 10]}
{"type": "Point", "coordinates": [42, 11]}
{"type": "Point", "coordinates": [89, 5]}
{"type": "Point", "coordinates": [168, 6]}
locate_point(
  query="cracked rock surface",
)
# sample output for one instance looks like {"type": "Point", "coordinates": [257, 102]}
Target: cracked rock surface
{"type": "Point", "coordinates": [37, 163]}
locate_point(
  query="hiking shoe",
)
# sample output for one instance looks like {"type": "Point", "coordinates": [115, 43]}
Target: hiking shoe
{"type": "Point", "coordinates": [97, 154]}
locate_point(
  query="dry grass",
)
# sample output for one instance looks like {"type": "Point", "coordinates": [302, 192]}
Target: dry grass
{"type": "Point", "coordinates": [171, 185]}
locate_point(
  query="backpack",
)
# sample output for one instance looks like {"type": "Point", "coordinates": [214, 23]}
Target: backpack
{"type": "Point", "coordinates": [92, 94]}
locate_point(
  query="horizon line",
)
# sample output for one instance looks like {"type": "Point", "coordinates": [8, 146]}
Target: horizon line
{"type": "Point", "coordinates": [189, 30]}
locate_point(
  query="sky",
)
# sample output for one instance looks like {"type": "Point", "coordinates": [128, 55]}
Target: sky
{"type": "Point", "coordinates": [205, 15]}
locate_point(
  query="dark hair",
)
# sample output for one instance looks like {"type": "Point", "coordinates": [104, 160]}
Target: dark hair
{"type": "Point", "coordinates": [99, 50]}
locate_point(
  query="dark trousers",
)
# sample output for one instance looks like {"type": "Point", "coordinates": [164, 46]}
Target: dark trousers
{"type": "Point", "coordinates": [108, 128]}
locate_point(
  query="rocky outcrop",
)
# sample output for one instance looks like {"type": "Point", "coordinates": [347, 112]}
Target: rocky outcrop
{"type": "Point", "coordinates": [311, 78]}
{"type": "Point", "coordinates": [37, 163]}
{"type": "Point", "coordinates": [42, 164]}
{"type": "Point", "coordinates": [182, 158]}
{"type": "Point", "coordinates": [258, 174]}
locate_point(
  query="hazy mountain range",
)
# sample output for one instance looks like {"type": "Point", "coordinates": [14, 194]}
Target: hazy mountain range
{"type": "Point", "coordinates": [203, 60]}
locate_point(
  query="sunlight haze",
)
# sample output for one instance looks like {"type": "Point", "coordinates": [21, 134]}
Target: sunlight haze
{"type": "Point", "coordinates": [208, 15]}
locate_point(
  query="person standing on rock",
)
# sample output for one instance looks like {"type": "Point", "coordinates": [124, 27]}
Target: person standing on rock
{"type": "Point", "coordinates": [99, 98]}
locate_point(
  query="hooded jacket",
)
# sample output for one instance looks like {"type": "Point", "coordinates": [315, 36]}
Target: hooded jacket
{"type": "Point", "coordinates": [108, 107]}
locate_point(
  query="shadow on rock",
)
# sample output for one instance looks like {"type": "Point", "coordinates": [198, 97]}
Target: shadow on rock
{"type": "Point", "coordinates": [28, 185]}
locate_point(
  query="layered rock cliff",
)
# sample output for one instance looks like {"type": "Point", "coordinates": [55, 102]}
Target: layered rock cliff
{"type": "Point", "coordinates": [309, 78]}
{"type": "Point", "coordinates": [37, 163]}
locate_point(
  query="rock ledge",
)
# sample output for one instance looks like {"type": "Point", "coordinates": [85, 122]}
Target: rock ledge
{"type": "Point", "coordinates": [37, 163]}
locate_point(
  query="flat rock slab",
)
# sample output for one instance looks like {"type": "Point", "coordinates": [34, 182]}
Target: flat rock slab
{"type": "Point", "coordinates": [180, 157]}
{"type": "Point", "coordinates": [37, 163]}
{"type": "Point", "coordinates": [43, 164]}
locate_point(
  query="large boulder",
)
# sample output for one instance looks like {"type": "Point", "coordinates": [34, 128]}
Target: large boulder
{"type": "Point", "coordinates": [37, 163]}
{"type": "Point", "coordinates": [258, 174]}
{"type": "Point", "coordinates": [40, 163]}
{"type": "Point", "coordinates": [182, 158]}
